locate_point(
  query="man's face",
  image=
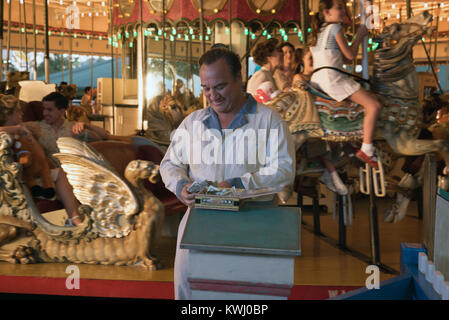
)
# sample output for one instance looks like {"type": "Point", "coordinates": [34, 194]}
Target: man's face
{"type": "Point", "coordinates": [52, 115]}
{"type": "Point", "coordinates": [221, 89]}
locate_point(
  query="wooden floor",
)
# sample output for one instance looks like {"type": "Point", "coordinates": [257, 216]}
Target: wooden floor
{"type": "Point", "coordinates": [322, 263]}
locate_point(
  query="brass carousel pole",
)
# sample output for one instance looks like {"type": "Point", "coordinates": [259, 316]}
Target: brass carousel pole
{"type": "Point", "coordinates": [92, 48]}
{"type": "Point", "coordinates": [203, 43]}
{"type": "Point", "coordinates": [26, 36]}
{"type": "Point", "coordinates": [354, 12]}
{"type": "Point", "coordinates": [230, 25]}
{"type": "Point", "coordinates": [20, 32]}
{"type": "Point", "coordinates": [8, 45]}
{"type": "Point", "coordinates": [163, 47]}
{"type": "Point", "coordinates": [47, 49]}
{"type": "Point", "coordinates": [435, 49]}
{"type": "Point", "coordinates": [409, 8]}
{"type": "Point", "coordinates": [304, 13]}
{"type": "Point", "coordinates": [143, 67]}
{"type": "Point", "coordinates": [111, 26]}
{"type": "Point", "coordinates": [1, 40]}
{"type": "Point", "coordinates": [35, 40]}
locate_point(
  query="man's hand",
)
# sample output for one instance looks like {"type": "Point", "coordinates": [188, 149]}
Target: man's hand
{"type": "Point", "coordinates": [79, 127]}
{"type": "Point", "coordinates": [188, 197]}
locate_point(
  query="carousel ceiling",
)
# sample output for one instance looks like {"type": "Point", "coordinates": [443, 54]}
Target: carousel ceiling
{"type": "Point", "coordinates": [89, 19]}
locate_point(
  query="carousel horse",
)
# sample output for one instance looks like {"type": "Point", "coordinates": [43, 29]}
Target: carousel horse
{"type": "Point", "coordinates": [164, 114]}
{"type": "Point", "coordinates": [311, 114]}
{"type": "Point", "coordinates": [123, 219]}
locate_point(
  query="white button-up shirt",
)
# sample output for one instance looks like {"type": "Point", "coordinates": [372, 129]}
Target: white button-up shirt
{"type": "Point", "coordinates": [255, 151]}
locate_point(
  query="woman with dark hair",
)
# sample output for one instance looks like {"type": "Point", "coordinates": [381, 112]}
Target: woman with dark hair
{"type": "Point", "coordinates": [283, 75]}
{"type": "Point", "coordinates": [262, 85]}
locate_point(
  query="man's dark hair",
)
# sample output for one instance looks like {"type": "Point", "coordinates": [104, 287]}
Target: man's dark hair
{"type": "Point", "coordinates": [59, 100]}
{"type": "Point", "coordinates": [232, 59]}
{"type": "Point", "coordinates": [86, 90]}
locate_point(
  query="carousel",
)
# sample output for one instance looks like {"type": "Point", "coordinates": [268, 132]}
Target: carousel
{"type": "Point", "coordinates": [141, 69]}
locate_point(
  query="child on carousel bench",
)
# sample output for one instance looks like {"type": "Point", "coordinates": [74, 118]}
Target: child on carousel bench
{"type": "Point", "coordinates": [329, 47]}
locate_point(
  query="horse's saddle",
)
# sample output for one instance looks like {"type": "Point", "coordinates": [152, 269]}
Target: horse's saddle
{"type": "Point", "coordinates": [341, 120]}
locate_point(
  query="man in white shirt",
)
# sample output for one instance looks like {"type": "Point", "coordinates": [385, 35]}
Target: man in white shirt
{"type": "Point", "coordinates": [234, 142]}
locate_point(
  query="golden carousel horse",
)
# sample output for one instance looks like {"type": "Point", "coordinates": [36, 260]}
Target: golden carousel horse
{"type": "Point", "coordinates": [123, 219]}
{"type": "Point", "coordinates": [313, 115]}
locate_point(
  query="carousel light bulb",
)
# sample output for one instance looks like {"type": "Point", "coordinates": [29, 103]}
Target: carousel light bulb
{"type": "Point", "coordinates": [442, 5]}
{"type": "Point", "coordinates": [269, 36]}
{"type": "Point", "coordinates": [87, 37]}
{"type": "Point", "coordinates": [207, 38]}
{"type": "Point", "coordinates": [88, 3]}
{"type": "Point", "coordinates": [61, 2]}
{"type": "Point", "coordinates": [286, 38]}
{"type": "Point", "coordinates": [425, 5]}
{"type": "Point", "coordinates": [90, 14]}
{"type": "Point", "coordinates": [253, 36]}
{"type": "Point", "coordinates": [398, 16]}
{"type": "Point", "coordinates": [156, 38]}
{"type": "Point", "coordinates": [36, 31]}
{"type": "Point", "coordinates": [273, 11]}
{"type": "Point", "coordinates": [74, 35]}
{"type": "Point", "coordinates": [102, 3]}
{"type": "Point", "coordinates": [186, 37]}
{"type": "Point", "coordinates": [130, 44]}
{"type": "Point", "coordinates": [264, 33]}
{"type": "Point", "coordinates": [104, 13]}
{"type": "Point", "coordinates": [135, 34]}
{"type": "Point", "coordinates": [96, 14]}
{"type": "Point", "coordinates": [258, 11]}
{"type": "Point", "coordinates": [82, 14]}
{"type": "Point", "coordinates": [393, 6]}
{"type": "Point", "coordinates": [173, 31]}
{"type": "Point", "coordinates": [62, 33]}
{"type": "Point", "coordinates": [215, 10]}
{"type": "Point", "coordinates": [74, 3]}
{"type": "Point", "coordinates": [246, 31]}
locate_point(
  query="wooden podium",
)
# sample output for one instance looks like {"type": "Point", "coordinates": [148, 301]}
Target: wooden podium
{"type": "Point", "coordinates": [247, 254]}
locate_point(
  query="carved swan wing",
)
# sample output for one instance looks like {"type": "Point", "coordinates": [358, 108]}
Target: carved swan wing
{"type": "Point", "coordinates": [96, 184]}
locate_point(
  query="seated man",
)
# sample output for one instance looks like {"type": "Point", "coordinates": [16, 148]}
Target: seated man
{"type": "Point", "coordinates": [203, 146]}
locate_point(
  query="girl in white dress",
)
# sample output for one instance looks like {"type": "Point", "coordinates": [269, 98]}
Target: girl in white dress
{"type": "Point", "coordinates": [329, 48]}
